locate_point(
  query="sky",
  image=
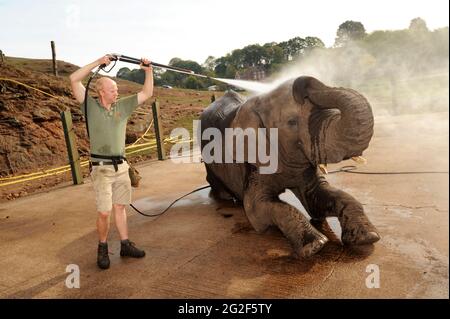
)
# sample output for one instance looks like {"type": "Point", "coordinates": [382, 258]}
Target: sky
{"type": "Point", "coordinates": [191, 30]}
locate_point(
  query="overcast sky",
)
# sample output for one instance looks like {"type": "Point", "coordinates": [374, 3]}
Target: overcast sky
{"type": "Point", "coordinates": [162, 29]}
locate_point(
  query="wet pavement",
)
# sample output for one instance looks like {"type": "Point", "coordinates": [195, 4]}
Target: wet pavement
{"type": "Point", "coordinates": [202, 248]}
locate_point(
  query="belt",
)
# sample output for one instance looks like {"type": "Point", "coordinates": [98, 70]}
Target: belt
{"type": "Point", "coordinates": [106, 163]}
{"type": "Point", "coordinates": [115, 160]}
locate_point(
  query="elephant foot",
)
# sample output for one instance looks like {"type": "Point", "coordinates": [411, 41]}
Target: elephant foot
{"type": "Point", "coordinates": [359, 234]}
{"type": "Point", "coordinates": [312, 244]}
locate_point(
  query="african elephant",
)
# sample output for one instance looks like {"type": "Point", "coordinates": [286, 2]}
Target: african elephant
{"type": "Point", "coordinates": [317, 124]}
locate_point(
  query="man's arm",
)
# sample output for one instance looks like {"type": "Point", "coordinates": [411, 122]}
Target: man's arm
{"type": "Point", "coordinates": [77, 76]}
{"type": "Point", "coordinates": [147, 90]}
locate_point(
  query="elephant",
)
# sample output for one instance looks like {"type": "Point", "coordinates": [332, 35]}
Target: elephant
{"type": "Point", "coordinates": [316, 124]}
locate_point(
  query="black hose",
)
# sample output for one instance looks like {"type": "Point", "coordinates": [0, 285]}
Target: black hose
{"type": "Point", "coordinates": [350, 169]}
{"type": "Point", "coordinates": [168, 207]}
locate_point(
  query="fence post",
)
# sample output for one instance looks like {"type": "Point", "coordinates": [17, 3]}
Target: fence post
{"type": "Point", "coordinates": [158, 131]}
{"type": "Point", "coordinates": [2, 58]}
{"type": "Point", "coordinates": [74, 157]}
{"type": "Point", "coordinates": [55, 67]}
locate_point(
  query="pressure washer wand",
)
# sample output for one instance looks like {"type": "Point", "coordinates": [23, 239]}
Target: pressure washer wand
{"type": "Point", "coordinates": [124, 58]}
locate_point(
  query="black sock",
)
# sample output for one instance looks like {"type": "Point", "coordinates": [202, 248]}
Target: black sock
{"type": "Point", "coordinates": [125, 242]}
{"type": "Point", "coordinates": [102, 244]}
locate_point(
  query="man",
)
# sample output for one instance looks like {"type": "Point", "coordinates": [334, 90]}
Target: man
{"type": "Point", "coordinates": [107, 120]}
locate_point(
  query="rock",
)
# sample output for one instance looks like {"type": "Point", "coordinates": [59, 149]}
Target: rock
{"type": "Point", "coordinates": [26, 144]}
{"type": "Point", "coordinates": [43, 115]}
{"type": "Point", "coordinates": [3, 107]}
{"type": "Point", "coordinates": [131, 137]}
{"type": "Point", "coordinates": [14, 122]}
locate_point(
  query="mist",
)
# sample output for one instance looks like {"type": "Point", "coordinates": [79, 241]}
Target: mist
{"type": "Point", "coordinates": [399, 72]}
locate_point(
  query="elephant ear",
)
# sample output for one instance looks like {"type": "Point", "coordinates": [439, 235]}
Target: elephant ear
{"type": "Point", "coordinates": [248, 139]}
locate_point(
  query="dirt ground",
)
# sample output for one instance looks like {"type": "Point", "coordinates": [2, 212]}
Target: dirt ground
{"type": "Point", "coordinates": [206, 249]}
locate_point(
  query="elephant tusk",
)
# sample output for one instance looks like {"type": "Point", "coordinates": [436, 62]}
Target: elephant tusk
{"type": "Point", "coordinates": [359, 160]}
{"type": "Point", "coordinates": [323, 168]}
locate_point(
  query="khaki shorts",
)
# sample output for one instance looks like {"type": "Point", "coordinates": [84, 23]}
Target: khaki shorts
{"type": "Point", "coordinates": [111, 187]}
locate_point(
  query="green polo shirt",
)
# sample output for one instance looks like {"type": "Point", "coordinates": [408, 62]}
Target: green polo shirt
{"type": "Point", "coordinates": [107, 128]}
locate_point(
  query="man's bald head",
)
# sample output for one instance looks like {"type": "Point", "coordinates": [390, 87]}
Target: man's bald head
{"type": "Point", "coordinates": [104, 83]}
{"type": "Point", "coordinates": [107, 90]}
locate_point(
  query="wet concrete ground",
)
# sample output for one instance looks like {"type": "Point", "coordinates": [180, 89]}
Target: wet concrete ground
{"type": "Point", "coordinates": [206, 249]}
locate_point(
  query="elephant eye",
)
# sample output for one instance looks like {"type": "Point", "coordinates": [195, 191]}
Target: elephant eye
{"type": "Point", "coordinates": [292, 122]}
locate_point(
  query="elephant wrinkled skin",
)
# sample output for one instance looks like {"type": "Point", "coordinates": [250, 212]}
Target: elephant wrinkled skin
{"type": "Point", "coordinates": [316, 125]}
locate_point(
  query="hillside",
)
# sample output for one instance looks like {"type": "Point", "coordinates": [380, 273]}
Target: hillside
{"type": "Point", "coordinates": [31, 134]}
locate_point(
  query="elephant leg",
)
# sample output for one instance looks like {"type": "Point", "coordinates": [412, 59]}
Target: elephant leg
{"type": "Point", "coordinates": [264, 210]}
{"type": "Point", "coordinates": [218, 189]}
{"type": "Point", "coordinates": [322, 200]}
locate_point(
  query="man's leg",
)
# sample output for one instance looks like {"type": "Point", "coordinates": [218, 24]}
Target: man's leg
{"type": "Point", "coordinates": [120, 216]}
{"type": "Point", "coordinates": [103, 220]}
{"type": "Point", "coordinates": [127, 248]}
{"type": "Point", "coordinates": [121, 195]}
{"type": "Point", "coordinates": [102, 186]}
{"type": "Point", "coordinates": [103, 229]}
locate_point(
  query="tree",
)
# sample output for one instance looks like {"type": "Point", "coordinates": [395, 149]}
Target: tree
{"type": "Point", "coordinates": [313, 42]}
{"type": "Point", "coordinates": [272, 54]}
{"type": "Point", "coordinates": [191, 82]}
{"type": "Point", "coordinates": [236, 58]}
{"type": "Point", "coordinates": [179, 79]}
{"type": "Point", "coordinates": [252, 55]}
{"type": "Point", "coordinates": [230, 72]}
{"type": "Point", "coordinates": [418, 25]}
{"type": "Point", "coordinates": [186, 64]}
{"type": "Point", "coordinates": [296, 47]}
{"type": "Point", "coordinates": [285, 47]}
{"type": "Point", "coordinates": [221, 66]}
{"type": "Point", "coordinates": [349, 31]}
{"type": "Point", "coordinates": [123, 73]}
{"type": "Point", "coordinates": [210, 63]}
{"type": "Point", "coordinates": [174, 60]}
{"type": "Point", "coordinates": [137, 75]}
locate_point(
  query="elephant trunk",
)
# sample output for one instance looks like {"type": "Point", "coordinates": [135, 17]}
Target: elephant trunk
{"type": "Point", "coordinates": [347, 133]}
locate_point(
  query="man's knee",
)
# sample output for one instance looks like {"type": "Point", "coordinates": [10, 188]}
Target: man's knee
{"type": "Point", "coordinates": [118, 207]}
{"type": "Point", "coordinates": [104, 215]}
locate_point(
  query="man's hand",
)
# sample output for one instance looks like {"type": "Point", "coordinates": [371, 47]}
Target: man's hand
{"type": "Point", "coordinates": [104, 60]}
{"type": "Point", "coordinates": [147, 62]}
{"type": "Point", "coordinates": [147, 89]}
{"type": "Point", "coordinates": [77, 76]}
